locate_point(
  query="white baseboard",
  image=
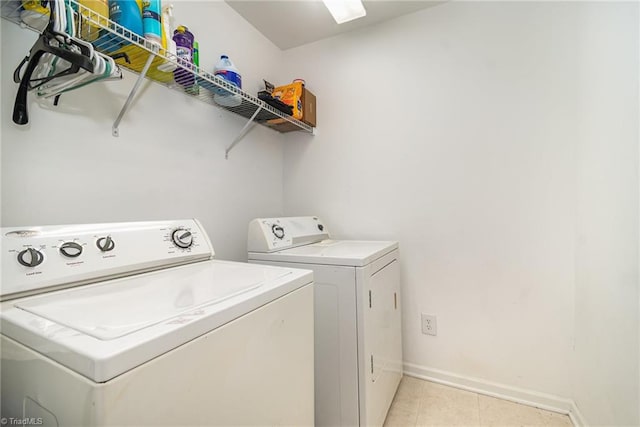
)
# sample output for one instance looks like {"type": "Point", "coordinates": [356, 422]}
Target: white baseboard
{"type": "Point", "coordinates": [576, 416]}
{"type": "Point", "coordinates": [502, 391]}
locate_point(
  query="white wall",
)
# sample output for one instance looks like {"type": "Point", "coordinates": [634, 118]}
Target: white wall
{"type": "Point", "coordinates": [606, 372]}
{"type": "Point", "coordinates": [65, 167]}
{"type": "Point", "coordinates": [460, 131]}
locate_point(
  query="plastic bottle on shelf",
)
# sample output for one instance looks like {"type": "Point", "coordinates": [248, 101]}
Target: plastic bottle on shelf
{"type": "Point", "coordinates": [195, 89]}
{"type": "Point", "coordinates": [225, 69]}
{"type": "Point", "coordinates": [91, 9]}
{"type": "Point", "coordinates": [196, 54]}
{"type": "Point", "coordinates": [127, 13]}
{"type": "Point", "coordinates": [151, 11]}
{"type": "Point", "coordinates": [184, 51]}
{"type": "Point", "coordinates": [167, 40]}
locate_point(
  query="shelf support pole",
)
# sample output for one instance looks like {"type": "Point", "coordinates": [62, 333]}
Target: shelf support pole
{"type": "Point", "coordinates": [132, 94]}
{"type": "Point", "coordinates": [243, 131]}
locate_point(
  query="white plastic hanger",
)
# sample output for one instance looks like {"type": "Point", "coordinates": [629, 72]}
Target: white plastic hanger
{"type": "Point", "coordinates": [104, 66]}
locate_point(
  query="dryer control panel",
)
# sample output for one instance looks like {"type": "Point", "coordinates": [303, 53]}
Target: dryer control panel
{"type": "Point", "coordinates": [36, 259]}
{"type": "Point", "coordinates": [275, 234]}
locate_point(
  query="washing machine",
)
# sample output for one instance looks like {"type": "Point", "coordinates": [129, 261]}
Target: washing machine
{"type": "Point", "coordinates": [358, 341]}
{"type": "Point", "coordinates": [135, 324]}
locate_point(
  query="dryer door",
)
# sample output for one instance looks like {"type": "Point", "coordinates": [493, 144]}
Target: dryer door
{"type": "Point", "coordinates": [382, 341]}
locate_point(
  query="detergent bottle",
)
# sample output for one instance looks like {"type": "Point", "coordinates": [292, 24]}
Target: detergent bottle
{"type": "Point", "coordinates": [184, 50]}
{"type": "Point", "coordinates": [127, 13]}
{"type": "Point", "coordinates": [93, 9]}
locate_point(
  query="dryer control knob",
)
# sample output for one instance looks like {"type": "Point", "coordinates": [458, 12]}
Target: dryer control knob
{"type": "Point", "coordinates": [105, 244]}
{"type": "Point", "coordinates": [182, 238]}
{"type": "Point", "coordinates": [70, 249]}
{"type": "Point", "coordinates": [30, 257]}
{"type": "Point", "coordinates": [278, 231]}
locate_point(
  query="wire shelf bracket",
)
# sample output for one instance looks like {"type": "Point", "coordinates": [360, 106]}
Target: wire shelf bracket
{"type": "Point", "coordinates": [242, 133]}
{"type": "Point", "coordinates": [114, 129]}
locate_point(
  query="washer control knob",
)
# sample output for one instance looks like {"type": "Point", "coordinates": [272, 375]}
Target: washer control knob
{"type": "Point", "coordinates": [182, 238]}
{"type": "Point", "coordinates": [105, 244]}
{"type": "Point", "coordinates": [30, 257]}
{"type": "Point", "coordinates": [278, 231]}
{"type": "Point", "coordinates": [71, 249]}
{"type": "Point", "coordinates": [320, 227]}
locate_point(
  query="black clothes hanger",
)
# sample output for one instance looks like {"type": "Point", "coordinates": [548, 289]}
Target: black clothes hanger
{"type": "Point", "coordinates": [77, 60]}
{"type": "Point", "coordinates": [44, 45]}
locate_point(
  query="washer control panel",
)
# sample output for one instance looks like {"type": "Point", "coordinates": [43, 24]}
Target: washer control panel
{"type": "Point", "coordinates": [275, 234]}
{"type": "Point", "coordinates": [38, 258]}
{"type": "Point", "coordinates": [182, 238]}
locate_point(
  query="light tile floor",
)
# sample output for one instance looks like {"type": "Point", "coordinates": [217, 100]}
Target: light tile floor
{"type": "Point", "coordinates": [423, 403]}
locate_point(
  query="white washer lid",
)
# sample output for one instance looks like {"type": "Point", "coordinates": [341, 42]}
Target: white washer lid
{"type": "Point", "coordinates": [356, 253]}
{"type": "Point", "coordinates": [113, 309]}
{"type": "Point", "coordinates": [105, 329]}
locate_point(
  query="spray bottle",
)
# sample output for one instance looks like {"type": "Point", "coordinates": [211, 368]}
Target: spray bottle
{"type": "Point", "coordinates": [167, 41]}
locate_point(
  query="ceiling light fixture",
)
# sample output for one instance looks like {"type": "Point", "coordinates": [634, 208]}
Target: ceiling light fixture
{"type": "Point", "coordinates": [345, 10]}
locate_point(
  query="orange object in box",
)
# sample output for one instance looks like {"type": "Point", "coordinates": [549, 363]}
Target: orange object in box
{"type": "Point", "coordinates": [291, 94]}
{"type": "Point", "coordinates": [308, 116]}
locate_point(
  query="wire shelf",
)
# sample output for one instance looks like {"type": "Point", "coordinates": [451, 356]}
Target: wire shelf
{"type": "Point", "coordinates": [110, 38]}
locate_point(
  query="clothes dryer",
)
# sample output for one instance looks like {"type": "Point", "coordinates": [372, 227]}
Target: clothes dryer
{"type": "Point", "coordinates": [358, 340]}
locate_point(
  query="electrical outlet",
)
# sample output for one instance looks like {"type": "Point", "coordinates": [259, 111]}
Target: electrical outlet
{"type": "Point", "coordinates": [429, 324]}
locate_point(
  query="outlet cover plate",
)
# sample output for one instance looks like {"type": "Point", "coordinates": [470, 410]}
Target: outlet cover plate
{"type": "Point", "coordinates": [429, 324]}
